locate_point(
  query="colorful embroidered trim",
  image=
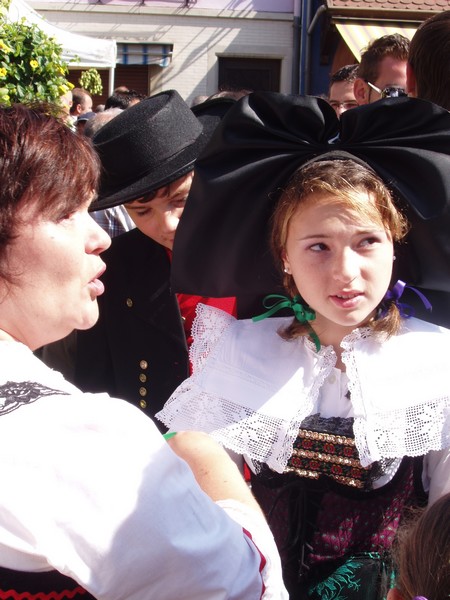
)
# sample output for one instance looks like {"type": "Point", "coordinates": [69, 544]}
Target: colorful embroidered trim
{"type": "Point", "coordinates": [77, 592]}
{"type": "Point", "coordinates": [335, 456]}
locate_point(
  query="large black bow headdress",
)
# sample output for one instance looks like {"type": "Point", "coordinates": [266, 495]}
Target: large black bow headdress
{"type": "Point", "coordinates": [221, 244]}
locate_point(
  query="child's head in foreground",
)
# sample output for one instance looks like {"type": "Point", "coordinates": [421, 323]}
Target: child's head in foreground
{"type": "Point", "coordinates": [423, 555]}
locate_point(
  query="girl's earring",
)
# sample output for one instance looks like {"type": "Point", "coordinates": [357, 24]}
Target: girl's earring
{"type": "Point", "coordinates": [286, 270]}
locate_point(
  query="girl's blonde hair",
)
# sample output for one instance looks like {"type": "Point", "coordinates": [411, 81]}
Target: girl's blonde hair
{"type": "Point", "coordinates": [342, 180]}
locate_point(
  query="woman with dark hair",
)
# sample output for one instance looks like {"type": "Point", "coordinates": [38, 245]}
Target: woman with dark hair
{"type": "Point", "coordinates": [94, 501]}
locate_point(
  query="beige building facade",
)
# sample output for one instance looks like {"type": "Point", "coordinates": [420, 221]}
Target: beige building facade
{"type": "Point", "coordinates": [193, 47]}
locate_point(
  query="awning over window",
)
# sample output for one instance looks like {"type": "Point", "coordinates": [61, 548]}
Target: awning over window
{"type": "Point", "coordinates": [357, 35]}
{"type": "Point", "coordinates": [144, 54]}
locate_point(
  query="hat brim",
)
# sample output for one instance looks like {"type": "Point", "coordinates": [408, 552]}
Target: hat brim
{"type": "Point", "coordinates": [170, 171]}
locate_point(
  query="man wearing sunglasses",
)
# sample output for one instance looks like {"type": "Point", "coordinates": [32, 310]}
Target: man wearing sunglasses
{"type": "Point", "coordinates": [382, 70]}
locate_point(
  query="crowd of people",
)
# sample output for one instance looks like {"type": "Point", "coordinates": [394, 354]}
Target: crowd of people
{"type": "Point", "coordinates": [245, 392]}
{"type": "Point", "coordinates": [381, 73]}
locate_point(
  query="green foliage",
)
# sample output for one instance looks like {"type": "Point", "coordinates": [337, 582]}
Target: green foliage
{"type": "Point", "coordinates": [31, 65]}
{"type": "Point", "coordinates": [91, 81]}
{"type": "Point", "coordinates": [4, 6]}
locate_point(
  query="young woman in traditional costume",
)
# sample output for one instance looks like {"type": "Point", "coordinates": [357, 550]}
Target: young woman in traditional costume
{"type": "Point", "coordinates": [342, 412]}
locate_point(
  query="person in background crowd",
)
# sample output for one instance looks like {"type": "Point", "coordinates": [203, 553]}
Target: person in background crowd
{"type": "Point", "coordinates": [223, 92]}
{"type": "Point", "coordinates": [99, 120]}
{"type": "Point", "coordinates": [114, 220]}
{"type": "Point", "coordinates": [82, 103]}
{"type": "Point", "coordinates": [80, 123]}
{"type": "Point", "coordinates": [382, 69]}
{"type": "Point", "coordinates": [340, 95]}
{"type": "Point", "coordinates": [95, 503]}
{"type": "Point", "coordinates": [123, 99]}
{"type": "Point", "coordinates": [65, 103]}
{"type": "Point", "coordinates": [423, 556]}
{"type": "Point", "coordinates": [138, 350]}
{"type": "Point", "coordinates": [199, 99]}
{"type": "Point", "coordinates": [233, 93]}
{"type": "Point", "coordinates": [428, 76]}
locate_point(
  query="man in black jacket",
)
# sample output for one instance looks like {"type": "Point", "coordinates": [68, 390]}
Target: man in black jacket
{"type": "Point", "coordinates": [138, 350]}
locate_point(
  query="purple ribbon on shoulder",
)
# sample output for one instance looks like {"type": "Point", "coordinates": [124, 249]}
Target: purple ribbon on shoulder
{"type": "Point", "coordinates": [395, 294]}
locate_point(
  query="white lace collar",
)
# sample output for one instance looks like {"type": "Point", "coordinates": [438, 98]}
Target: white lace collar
{"type": "Point", "coordinates": [251, 390]}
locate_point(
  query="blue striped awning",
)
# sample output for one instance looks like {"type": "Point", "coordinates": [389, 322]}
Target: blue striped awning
{"type": "Point", "coordinates": [144, 54]}
{"type": "Point", "coordinates": [357, 35]}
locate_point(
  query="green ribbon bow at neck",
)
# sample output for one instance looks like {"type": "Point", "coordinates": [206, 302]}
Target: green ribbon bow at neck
{"type": "Point", "coordinates": [303, 314]}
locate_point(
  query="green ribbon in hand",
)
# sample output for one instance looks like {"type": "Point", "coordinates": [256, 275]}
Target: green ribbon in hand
{"type": "Point", "coordinates": [301, 313]}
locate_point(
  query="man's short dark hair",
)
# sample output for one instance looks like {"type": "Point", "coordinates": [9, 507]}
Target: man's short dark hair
{"type": "Point", "coordinates": [393, 45]}
{"type": "Point", "coordinates": [123, 100]}
{"type": "Point", "coordinates": [429, 57]}
{"type": "Point", "coordinates": [345, 73]}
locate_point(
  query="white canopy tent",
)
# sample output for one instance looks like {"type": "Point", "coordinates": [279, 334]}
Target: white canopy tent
{"type": "Point", "coordinates": [78, 50]}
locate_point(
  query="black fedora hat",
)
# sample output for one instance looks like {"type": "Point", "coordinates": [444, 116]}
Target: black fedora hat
{"type": "Point", "coordinates": [146, 147]}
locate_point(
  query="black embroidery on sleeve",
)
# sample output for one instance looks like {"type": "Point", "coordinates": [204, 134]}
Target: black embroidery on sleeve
{"type": "Point", "coordinates": [18, 393]}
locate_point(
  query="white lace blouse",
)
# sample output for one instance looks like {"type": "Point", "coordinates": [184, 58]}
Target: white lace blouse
{"type": "Point", "coordinates": [139, 535]}
{"type": "Point", "coordinates": [251, 389]}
